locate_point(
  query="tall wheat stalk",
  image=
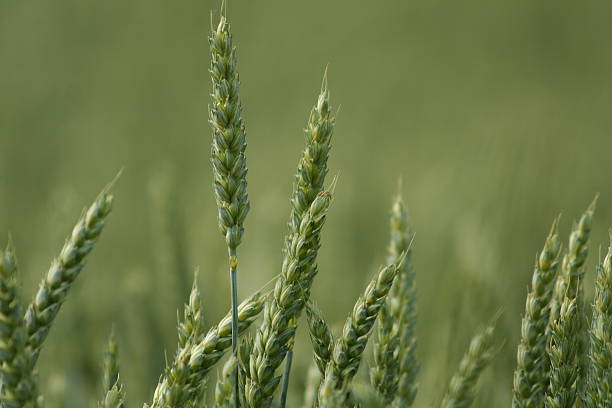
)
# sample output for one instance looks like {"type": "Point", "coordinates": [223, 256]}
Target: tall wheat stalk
{"type": "Point", "coordinates": [228, 155]}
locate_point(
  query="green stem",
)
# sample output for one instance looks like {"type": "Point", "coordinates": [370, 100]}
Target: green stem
{"type": "Point", "coordinates": [283, 398]}
{"type": "Point", "coordinates": [234, 289]}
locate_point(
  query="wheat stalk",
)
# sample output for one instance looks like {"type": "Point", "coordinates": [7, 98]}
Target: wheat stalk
{"type": "Point", "coordinates": [228, 155]}
{"type": "Point", "coordinates": [63, 272]}
{"type": "Point", "coordinates": [462, 389]}
{"type": "Point", "coordinates": [531, 374]}
{"type": "Point", "coordinates": [278, 326]}
{"type": "Point", "coordinates": [18, 379]}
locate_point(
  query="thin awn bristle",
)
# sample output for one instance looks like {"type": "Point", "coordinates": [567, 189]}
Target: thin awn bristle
{"type": "Point", "coordinates": [531, 374]}
{"type": "Point", "coordinates": [19, 386]}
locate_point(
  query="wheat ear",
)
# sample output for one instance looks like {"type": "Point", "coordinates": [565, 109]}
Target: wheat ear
{"type": "Point", "coordinates": [570, 284]}
{"type": "Point", "coordinates": [63, 272]}
{"type": "Point", "coordinates": [531, 374]}
{"type": "Point", "coordinates": [320, 336]}
{"type": "Point", "coordinates": [19, 386]}
{"type": "Point", "coordinates": [563, 353]}
{"type": "Point", "coordinates": [348, 349]}
{"type": "Point", "coordinates": [228, 155]}
{"type": "Point", "coordinates": [599, 379]}
{"type": "Point", "coordinates": [111, 364]}
{"type": "Point", "coordinates": [284, 306]}
{"type": "Point", "coordinates": [462, 389]}
{"type": "Point", "coordinates": [309, 181]}
{"type": "Point", "coordinates": [182, 382]}
{"type": "Point", "coordinates": [395, 365]}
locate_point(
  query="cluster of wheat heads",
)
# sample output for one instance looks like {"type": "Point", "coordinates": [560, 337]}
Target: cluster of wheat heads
{"type": "Point", "coordinates": [564, 358]}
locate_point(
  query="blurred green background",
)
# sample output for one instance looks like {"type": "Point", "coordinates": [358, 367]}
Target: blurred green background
{"type": "Point", "coordinates": [495, 113]}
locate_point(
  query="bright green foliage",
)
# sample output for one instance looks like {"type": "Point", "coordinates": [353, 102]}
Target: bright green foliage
{"type": "Point", "coordinates": [462, 389]}
{"type": "Point", "coordinates": [531, 375]}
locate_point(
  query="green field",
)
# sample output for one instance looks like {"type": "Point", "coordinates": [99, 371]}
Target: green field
{"type": "Point", "coordinates": [495, 114]}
